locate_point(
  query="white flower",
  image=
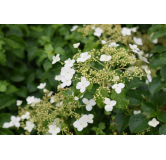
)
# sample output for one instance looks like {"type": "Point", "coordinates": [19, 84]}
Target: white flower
{"type": "Point", "coordinates": [58, 77]}
{"type": "Point", "coordinates": [69, 62]}
{"type": "Point", "coordinates": [36, 100]}
{"type": "Point", "coordinates": [6, 125]}
{"type": "Point", "coordinates": [89, 103]}
{"type": "Point", "coordinates": [25, 116]}
{"type": "Point", "coordinates": [52, 100]}
{"type": "Point", "coordinates": [113, 44]}
{"type": "Point", "coordinates": [126, 31]}
{"type": "Point", "coordinates": [105, 58]}
{"type": "Point", "coordinates": [103, 42]}
{"type": "Point", "coordinates": [53, 129]}
{"type": "Point", "coordinates": [137, 112]}
{"type": "Point", "coordinates": [30, 99]}
{"type": "Point", "coordinates": [143, 59]}
{"type": "Point", "coordinates": [76, 98]}
{"type": "Point", "coordinates": [80, 124]}
{"type": "Point", "coordinates": [59, 104]}
{"type": "Point", "coordinates": [45, 90]}
{"type": "Point", "coordinates": [50, 93]}
{"type": "Point", "coordinates": [83, 84]}
{"type": "Point", "coordinates": [118, 87]}
{"type": "Point", "coordinates": [134, 48]}
{"type": "Point", "coordinates": [83, 57]}
{"type": "Point", "coordinates": [138, 41]}
{"type": "Point", "coordinates": [144, 67]}
{"type": "Point", "coordinates": [15, 121]}
{"type": "Point", "coordinates": [155, 41]}
{"type": "Point", "coordinates": [140, 53]}
{"type": "Point", "coordinates": [76, 45]}
{"type": "Point", "coordinates": [41, 86]}
{"type": "Point", "coordinates": [148, 72]}
{"type": "Point", "coordinates": [67, 72]}
{"type": "Point", "coordinates": [18, 102]}
{"type": "Point", "coordinates": [55, 59]}
{"type": "Point", "coordinates": [98, 32]}
{"type": "Point", "coordinates": [29, 126]}
{"type": "Point", "coordinates": [109, 104]}
{"type": "Point", "coordinates": [88, 118]}
{"type": "Point", "coordinates": [74, 28]}
{"type": "Point", "coordinates": [134, 29]}
{"type": "Point", "coordinates": [66, 81]}
{"type": "Point", "coordinates": [153, 122]}
{"type": "Point", "coordinates": [115, 78]}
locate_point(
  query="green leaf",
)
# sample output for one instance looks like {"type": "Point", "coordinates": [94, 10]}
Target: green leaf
{"type": "Point", "coordinates": [4, 117]}
{"type": "Point", "coordinates": [148, 109]}
{"type": "Point", "coordinates": [17, 77]}
{"type": "Point", "coordinates": [135, 97]}
{"type": "Point", "coordinates": [138, 123]}
{"type": "Point", "coordinates": [15, 41]}
{"type": "Point", "coordinates": [47, 65]}
{"type": "Point", "coordinates": [156, 62]}
{"type": "Point", "coordinates": [162, 130]}
{"type": "Point", "coordinates": [6, 101]}
{"type": "Point", "coordinates": [122, 122]}
{"type": "Point", "coordinates": [48, 48]}
{"type": "Point", "coordinates": [160, 33]}
{"type": "Point", "coordinates": [163, 58]}
{"type": "Point", "coordinates": [60, 51]}
{"type": "Point", "coordinates": [2, 57]}
{"type": "Point", "coordinates": [102, 125]}
{"type": "Point", "coordinates": [121, 101]}
{"type": "Point", "coordinates": [163, 72]}
{"type": "Point", "coordinates": [5, 131]}
{"type": "Point", "coordinates": [11, 89]}
{"type": "Point", "coordinates": [158, 49]}
{"type": "Point", "coordinates": [22, 92]}
{"type": "Point", "coordinates": [136, 82]}
{"type": "Point", "coordinates": [162, 116]}
{"type": "Point", "coordinates": [156, 85]}
{"type": "Point", "coordinates": [3, 86]}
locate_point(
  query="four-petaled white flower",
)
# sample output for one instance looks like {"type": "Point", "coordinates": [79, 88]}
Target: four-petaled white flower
{"type": "Point", "coordinates": [113, 44]}
{"type": "Point", "coordinates": [25, 116]}
{"type": "Point", "coordinates": [52, 100]}
{"type": "Point", "coordinates": [88, 118]}
{"type": "Point", "coordinates": [66, 81]}
{"type": "Point", "coordinates": [32, 100]}
{"type": "Point", "coordinates": [53, 129]}
{"type": "Point", "coordinates": [29, 126]}
{"type": "Point", "coordinates": [74, 28]}
{"type": "Point", "coordinates": [83, 84]}
{"type": "Point", "coordinates": [126, 31]}
{"type": "Point", "coordinates": [69, 62]}
{"type": "Point", "coordinates": [155, 41]}
{"type": "Point", "coordinates": [98, 32]}
{"type": "Point", "coordinates": [148, 72]}
{"type": "Point", "coordinates": [109, 104]}
{"type": "Point", "coordinates": [55, 59]}
{"type": "Point", "coordinates": [103, 42]}
{"type": "Point", "coordinates": [67, 72]}
{"type": "Point", "coordinates": [118, 87]}
{"type": "Point", "coordinates": [138, 41]}
{"type": "Point", "coordinates": [41, 86]}
{"type": "Point", "coordinates": [105, 58]}
{"type": "Point", "coordinates": [18, 102]}
{"type": "Point", "coordinates": [58, 77]}
{"type": "Point", "coordinates": [80, 124]}
{"type": "Point", "coordinates": [76, 45]}
{"type": "Point", "coordinates": [83, 57]}
{"type": "Point", "coordinates": [136, 112]}
{"type": "Point", "coordinates": [89, 103]}
{"type": "Point", "coordinates": [15, 121]}
{"type": "Point", "coordinates": [134, 48]}
{"type": "Point", "coordinates": [153, 122]}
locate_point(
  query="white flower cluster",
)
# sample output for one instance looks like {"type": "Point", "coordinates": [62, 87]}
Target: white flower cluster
{"type": "Point", "coordinates": [83, 122]}
{"type": "Point", "coordinates": [31, 100]}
